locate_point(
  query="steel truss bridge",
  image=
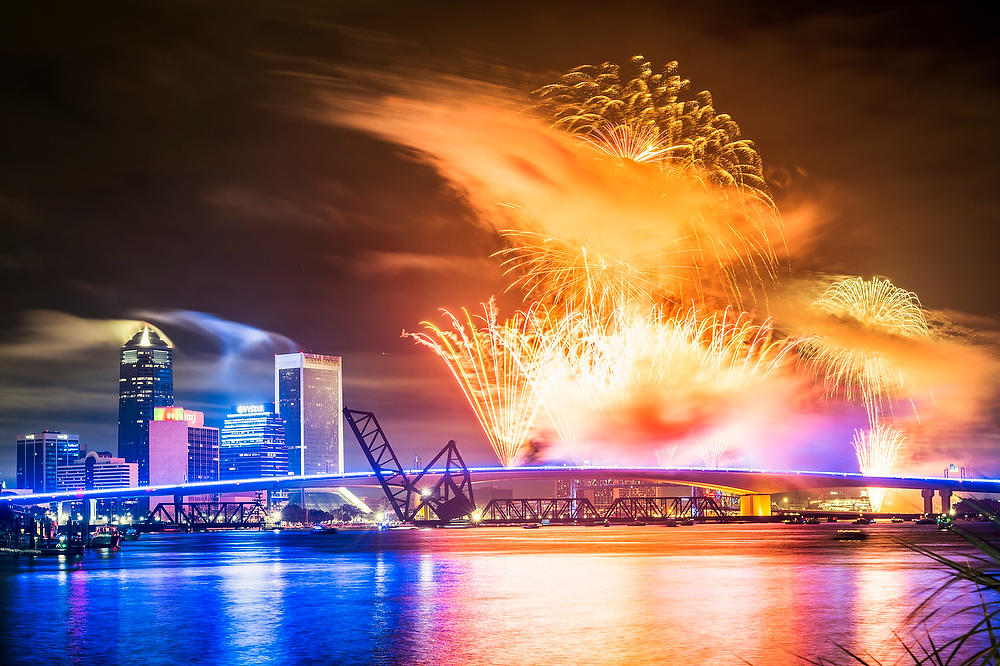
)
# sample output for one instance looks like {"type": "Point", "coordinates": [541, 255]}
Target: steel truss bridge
{"type": "Point", "coordinates": [446, 486]}
{"type": "Point", "coordinates": [206, 515]}
{"type": "Point", "coordinates": [581, 510]}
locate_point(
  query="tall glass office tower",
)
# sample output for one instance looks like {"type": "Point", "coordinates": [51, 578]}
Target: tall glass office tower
{"type": "Point", "coordinates": [309, 397]}
{"type": "Point", "coordinates": [41, 454]}
{"type": "Point", "coordinates": [253, 443]}
{"type": "Point", "coordinates": [146, 381]}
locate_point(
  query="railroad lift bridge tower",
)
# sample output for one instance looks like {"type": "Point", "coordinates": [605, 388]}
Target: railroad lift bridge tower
{"type": "Point", "coordinates": [450, 497]}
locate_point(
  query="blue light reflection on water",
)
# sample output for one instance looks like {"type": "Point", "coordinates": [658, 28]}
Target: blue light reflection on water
{"type": "Point", "coordinates": [707, 594]}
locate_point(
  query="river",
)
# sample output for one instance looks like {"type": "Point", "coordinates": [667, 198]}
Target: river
{"type": "Point", "coordinates": [708, 594]}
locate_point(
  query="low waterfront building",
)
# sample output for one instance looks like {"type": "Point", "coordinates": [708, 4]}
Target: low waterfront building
{"type": "Point", "coordinates": [98, 470]}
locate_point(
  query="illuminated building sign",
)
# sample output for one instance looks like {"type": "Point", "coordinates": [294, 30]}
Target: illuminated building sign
{"type": "Point", "coordinates": [193, 418]}
{"type": "Point", "coordinates": [250, 409]}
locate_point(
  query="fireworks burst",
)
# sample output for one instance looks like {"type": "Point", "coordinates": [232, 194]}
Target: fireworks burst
{"type": "Point", "coordinates": [588, 369]}
{"type": "Point", "coordinates": [875, 306]}
{"type": "Point", "coordinates": [876, 450]}
{"type": "Point", "coordinates": [689, 133]}
{"type": "Point", "coordinates": [576, 277]}
{"type": "Point", "coordinates": [640, 117]}
{"type": "Point", "coordinates": [640, 144]}
{"type": "Point", "coordinates": [487, 361]}
{"type": "Point", "coordinates": [713, 448]}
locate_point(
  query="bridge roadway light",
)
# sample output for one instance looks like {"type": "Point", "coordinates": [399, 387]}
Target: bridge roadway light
{"type": "Point", "coordinates": [425, 492]}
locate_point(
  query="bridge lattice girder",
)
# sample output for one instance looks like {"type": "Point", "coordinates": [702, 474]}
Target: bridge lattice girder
{"type": "Point", "coordinates": [450, 497]}
{"type": "Point", "coordinates": [383, 461]}
{"type": "Point", "coordinates": [566, 509]}
{"type": "Point", "coordinates": [230, 514]}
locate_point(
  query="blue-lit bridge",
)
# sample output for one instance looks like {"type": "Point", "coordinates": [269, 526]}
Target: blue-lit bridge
{"type": "Point", "coordinates": [446, 485]}
{"type": "Point", "coordinates": [738, 481]}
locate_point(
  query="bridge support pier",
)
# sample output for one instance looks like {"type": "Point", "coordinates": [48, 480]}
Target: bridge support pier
{"type": "Point", "coordinates": [928, 495]}
{"type": "Point", "coordinates": [178, 508]}
{"type": "Point", "coordinates": [755, 505]}
{"type": "Point", "coordinates": [945, 501]}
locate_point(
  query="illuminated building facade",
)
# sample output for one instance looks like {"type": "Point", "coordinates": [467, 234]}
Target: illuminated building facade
{"type": "Point", "coordinates": [308, 394]}
{"type": "Point", "coordinates": [41, 454]}
{"type": "Point", "coordinates": [181, 448]}
{"type": "Point", "coordinates": [98, 471]}
{"type": "Point", "coordinates": [253, 443]}
{"type": "Point", "coordinates": [146, 381]}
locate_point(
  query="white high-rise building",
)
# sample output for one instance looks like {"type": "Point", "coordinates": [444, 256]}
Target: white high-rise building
{"type": "Point", "coordinates": [309, 397]}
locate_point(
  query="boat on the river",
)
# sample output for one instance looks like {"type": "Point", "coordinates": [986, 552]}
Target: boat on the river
{"type": "Point", "coordinates": [323, 529]}
{"type": "Point", "coordinates": [850, 535]}
{"type": "Point", "coordinates": [637, 523]}
{"type": "Point", "coordinates": [60, 546]}
{"type": "Point", "coordinates": [530, 526]}
{"type": "Point", "coordinates": [106, 536]}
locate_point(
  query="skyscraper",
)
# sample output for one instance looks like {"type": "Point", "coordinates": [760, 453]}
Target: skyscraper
{"type": "Point", "coordinates": [146, 381]}
{"type": "Point", "coordinates": [253, 443]}
{"type": "Point", "coordinates": [308, 394]}
{"type": "Point", "coordinates": [41, 454]}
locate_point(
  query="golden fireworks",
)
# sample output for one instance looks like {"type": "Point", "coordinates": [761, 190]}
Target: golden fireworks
{"type": "Point", "coordinates": [486, 360]}
{"type": "Point", "coordinates": [865, 307]}
{"type": "Point", "coordinates": [713, 447]}
{"type": "Point", "coordinates": [639, 117]}
{"type": "Point", "coordinates": [576, 277]}
{"type": "Point", "coordinates": [639, 144]}
{"type": "Point", "coordinates": [590, 99]}
{"type": "Point", "coordinates": [601, 327]}
{"type": "Point", "coordinates": [877, 449]}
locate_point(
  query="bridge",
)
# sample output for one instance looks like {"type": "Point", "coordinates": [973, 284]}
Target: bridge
{"type": "Point", "coordinates": [738, 481]}
{"type": "Point", "coordinates": [446, 485]}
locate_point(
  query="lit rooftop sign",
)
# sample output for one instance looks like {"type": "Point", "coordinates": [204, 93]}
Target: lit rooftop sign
{"type": "Point", "coordinates": [250, 409]}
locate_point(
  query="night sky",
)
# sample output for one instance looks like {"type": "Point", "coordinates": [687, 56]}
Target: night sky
{"type": "Point", "coordinates": [155, 163]}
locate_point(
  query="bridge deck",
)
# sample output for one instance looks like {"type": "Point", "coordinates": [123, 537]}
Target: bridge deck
{"type": "Point", "coordinates": [765, 482]}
